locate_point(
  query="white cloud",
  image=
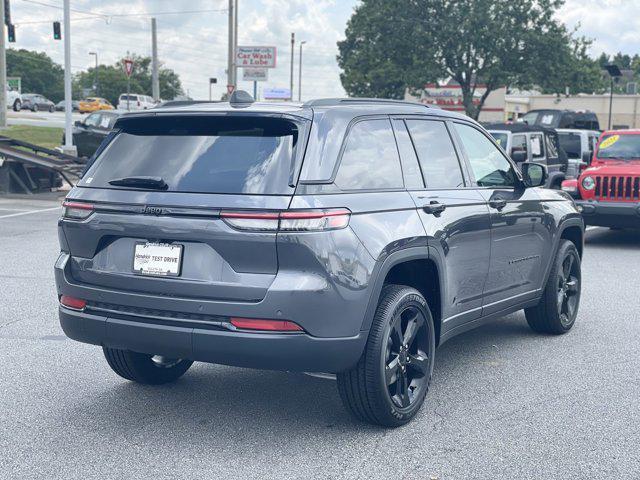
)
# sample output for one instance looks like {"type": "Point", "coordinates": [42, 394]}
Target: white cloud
{"type": "Point", "coordinates": [614, 25]}
{"type": "Point", "coordinates": [195, 45]}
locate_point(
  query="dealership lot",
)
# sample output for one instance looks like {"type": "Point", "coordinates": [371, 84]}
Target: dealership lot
{"type": "Point", "coordinates": [504, 402]}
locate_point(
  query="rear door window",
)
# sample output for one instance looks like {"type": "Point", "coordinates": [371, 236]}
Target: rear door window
{"type": "Point", "coordinates": [224, 154]}
{"type": "Point", "coordinates": [370, 159]}
{"type": "Point", "coordinates": [438, 159]}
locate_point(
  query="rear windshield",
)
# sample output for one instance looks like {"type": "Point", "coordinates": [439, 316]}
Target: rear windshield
{"type": "Point", "coordinates": [252, 155]}
{"type": "Point", "coordinates": [130, 97]}
{"type": "Point", "coordinates": [571, 143]}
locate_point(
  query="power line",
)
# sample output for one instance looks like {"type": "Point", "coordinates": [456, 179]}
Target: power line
{"type": "Point", "coordinates": [108, 16]}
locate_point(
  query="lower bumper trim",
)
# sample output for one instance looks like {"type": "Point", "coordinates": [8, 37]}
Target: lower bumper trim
{"type": "Point", "coordinates": [271, 351]}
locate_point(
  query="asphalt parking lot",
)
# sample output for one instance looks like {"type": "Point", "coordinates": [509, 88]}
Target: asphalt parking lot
{"type": "Point", "coordinates": [504, 403]}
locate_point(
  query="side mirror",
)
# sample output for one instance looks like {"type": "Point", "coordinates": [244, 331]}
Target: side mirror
{"type": "Point", "coordinates": [519, 156]}
{"type": "Point", "coordinates": [534, 174]}
{"type": "Point", "coordinates": [586, 157]}
{"type": "Point", "coordinates": [78, 123]}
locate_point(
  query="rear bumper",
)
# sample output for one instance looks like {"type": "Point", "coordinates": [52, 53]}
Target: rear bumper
{"type": "Point", "coordinates": [611, 214]}
{"type": "Point", "coordinates": [292, 352]}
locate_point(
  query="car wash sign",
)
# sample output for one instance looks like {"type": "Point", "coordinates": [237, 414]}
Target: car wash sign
{"type": "Point", "coordinates": [261, 57]}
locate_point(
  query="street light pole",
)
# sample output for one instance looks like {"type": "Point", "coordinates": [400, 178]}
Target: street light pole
{"type": "Point", "coordinates": [610, 103]}
{"type": "Point", "coordinates": [95, 54]}
{"type": "Point", "coordinates": [68, 131]}
{"type": "Point", "coordinates": [300, 72]}
{"type": "Point", "coordinates": [293, 46]}
{"type": "Point", "coordinates": [614, 72]}
{"type": "Point", "coordinates": [155, 79]}
{"type": "Point", "coordinates": [3, 72]}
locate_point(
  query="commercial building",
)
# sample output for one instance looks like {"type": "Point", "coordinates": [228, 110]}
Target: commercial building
{"type": "Point", "coordinates": [626, 108]}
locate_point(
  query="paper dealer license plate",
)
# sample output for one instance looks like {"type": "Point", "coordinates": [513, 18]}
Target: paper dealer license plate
{"type": "Point", "coordinates": [160, 259]}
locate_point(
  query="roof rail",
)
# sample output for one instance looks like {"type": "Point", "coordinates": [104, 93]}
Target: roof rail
{"type": "Point", "coordinates": [332, 102]}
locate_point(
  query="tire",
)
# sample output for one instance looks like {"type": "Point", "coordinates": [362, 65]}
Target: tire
{"type": "Point", "coordinates": [17, 105]}
{"type": "Point", "coordinates": [558, 308]}
{"type": "Point", "coordinates": [143, 368]}
{"type": "Point", "coordinates": [52, 109]}
{"type": "Point", "coordinates": [390, 397]}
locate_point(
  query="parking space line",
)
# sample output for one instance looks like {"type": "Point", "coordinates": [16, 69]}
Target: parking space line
{"type": "Point", "coordinates": [29, 212]}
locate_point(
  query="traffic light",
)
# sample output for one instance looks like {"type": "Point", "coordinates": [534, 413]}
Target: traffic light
{"type": "Point", "coordinates": [56, 31]}
{"type": "Point", "coordinates": [7, 13]}
{"type": "Point", "coordinates": [11, 30]}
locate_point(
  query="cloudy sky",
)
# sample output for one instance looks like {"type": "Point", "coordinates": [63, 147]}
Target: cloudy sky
{"type": "Point", "coordinates": [194, 43]}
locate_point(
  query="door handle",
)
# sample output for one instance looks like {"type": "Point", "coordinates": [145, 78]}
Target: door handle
{"type": "Point", "coordinates": [434, 208]}
{"type": "Point", "coordinates": [498, 203]}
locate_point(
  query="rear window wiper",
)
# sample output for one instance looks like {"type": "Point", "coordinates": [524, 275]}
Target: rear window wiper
{"type": "Point", "coordinates": [156, 183]}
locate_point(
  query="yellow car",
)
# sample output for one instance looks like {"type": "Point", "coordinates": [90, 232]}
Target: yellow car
{"type": "Point", "coordinates": [93, 104]}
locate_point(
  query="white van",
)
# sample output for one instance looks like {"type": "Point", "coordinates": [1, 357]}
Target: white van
{"type": "Point", "coordinates": [135, 102]}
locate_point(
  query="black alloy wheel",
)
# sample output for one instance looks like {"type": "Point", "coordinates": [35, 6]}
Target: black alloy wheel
{"type": "Point", "coordinates": [407, 362]}
{"type": "Point", "coordinates": [568, 289]}
{"type": "Point", "coordinates": [557, 310]}
{"type": "Point", "coordinates": [389, 383]}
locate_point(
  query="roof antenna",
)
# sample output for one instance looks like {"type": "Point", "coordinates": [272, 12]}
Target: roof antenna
{"type": "Point", "coordinates": [240, 98]}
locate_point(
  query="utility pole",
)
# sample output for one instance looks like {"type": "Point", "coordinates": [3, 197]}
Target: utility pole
{"type": "Point", "coordinates": [300, 72]}
{"type": "Point", "coordinates": [95, 81]}
{"type": "Point", "coordinates": [155, 80]}
{"type": "Point", "coordinates": [3, 72]}
{"type": "Point", "coordinates": [293, 46]}
{"type": "Point", "coordinates": [231, 80]}
{"type": "Point", "coordinates": [235, 44]}
{"type": "Point", "coordinates": [68, 132]}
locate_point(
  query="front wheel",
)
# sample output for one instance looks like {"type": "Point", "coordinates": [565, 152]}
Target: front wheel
{"type": "Point", "coordinates": [143, 368]}
{"type": "Point", "coordinates": [388, 384]}
{"type": "Point", "coordinates": [557, 311]}
{"type": "Point", "coordinates": [17, 105]}
{"type": "Point", "coordinates": [52, 109]}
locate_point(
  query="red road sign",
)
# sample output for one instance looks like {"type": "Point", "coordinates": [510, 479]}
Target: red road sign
{"type": "Point", "coordinates": [128, 66]}
{"type": "Point", "coordinates": [230, 89]}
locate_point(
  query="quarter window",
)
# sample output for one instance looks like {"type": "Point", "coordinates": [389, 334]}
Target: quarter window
{"type": "Point", "coordinates": [489, 166]}
{"type": "Point", "coordinates": [437, 156]}
{"type": "Point", "coordinates": [370, 158]}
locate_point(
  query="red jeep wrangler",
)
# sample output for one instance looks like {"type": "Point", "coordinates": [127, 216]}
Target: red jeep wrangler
{"type": "Point", "coordinates": [609, 190]}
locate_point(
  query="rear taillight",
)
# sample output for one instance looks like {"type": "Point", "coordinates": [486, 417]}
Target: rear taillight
{"type": "Point", "coordinates": [289, 221]}
{"type": "Point", "coordinates": [72, 302]}
{"type": "Point", "coordinates": [265, 325]}
{"type": "Point", "coordinates": [76, 210]}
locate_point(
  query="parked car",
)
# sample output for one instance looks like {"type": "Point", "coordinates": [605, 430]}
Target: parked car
{"type": "Point", "coordinates": [551, 118]}
{"type": "Point", "coordinates": [36, 102]}
{"type": "Point", "coordinates": [525, 143]}
{"type": "Point", "coordinates": [75, 106]}
{"type": "Point", "coordinates": [344, 236]}
{"type": "Point", "coordinates": [89, 133]}
{"type": "Point", "coordinates": [135, 102]}
{"type": "Point", "coordinates": [608, 192]}
{"type": "Point", "coordinates": [14, 99]}
{"type": "Point", "coordinates": [94, 104]}
{"type": "Point", "coordinates": [579, 146]}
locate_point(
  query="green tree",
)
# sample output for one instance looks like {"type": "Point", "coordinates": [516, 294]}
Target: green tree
{"type": "Point", "coordinates": [575, 70]}
{"type": "Point", "coordinates": [38, 72]}
{"type": "Point", "coordinates": [112, 80]}
{"type": "Point", "coordinates": [392, 45]}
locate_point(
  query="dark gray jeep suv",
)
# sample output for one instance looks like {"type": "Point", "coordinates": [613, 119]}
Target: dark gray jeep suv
{"type": "Point", "coordinates": [343, 236]}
